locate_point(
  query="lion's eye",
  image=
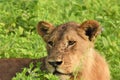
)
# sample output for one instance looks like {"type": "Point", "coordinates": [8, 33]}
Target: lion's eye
{"type": "Point", "coordinates": [50, 43]}
{"type": "Point", "coordinates": [71, 42]}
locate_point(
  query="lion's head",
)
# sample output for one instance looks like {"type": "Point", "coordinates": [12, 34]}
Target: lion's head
{"type": "Point", "coordinates": [68, 45]}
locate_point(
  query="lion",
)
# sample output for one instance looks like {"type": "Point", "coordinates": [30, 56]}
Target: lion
{"type": "Point", "coordinates": [71, 53]}
{"type": "Point", "coordinates": [9, 67]}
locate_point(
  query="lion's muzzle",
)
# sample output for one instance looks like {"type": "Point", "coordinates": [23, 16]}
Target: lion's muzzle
{"type": "Point", "coordinates": [55, 63]}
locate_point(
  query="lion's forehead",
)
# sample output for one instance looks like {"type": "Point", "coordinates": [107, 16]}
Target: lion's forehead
{"type": "Point", "coordinates": [65, 31]}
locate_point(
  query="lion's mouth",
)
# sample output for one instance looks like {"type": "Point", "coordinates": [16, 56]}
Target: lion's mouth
{"type": "Point", "coordinates": [59, 73]}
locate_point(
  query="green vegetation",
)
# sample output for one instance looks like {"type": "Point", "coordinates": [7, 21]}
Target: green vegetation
{"type": "Point", "coordinates": [18, 36]}
{"type": "Point", "coordinates": [34, 74]}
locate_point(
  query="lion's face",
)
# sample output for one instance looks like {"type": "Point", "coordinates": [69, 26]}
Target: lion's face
{"type": "Point", "coordinates": [67, 46]}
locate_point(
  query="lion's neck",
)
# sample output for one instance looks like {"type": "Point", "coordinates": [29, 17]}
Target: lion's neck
{"type": "Point", "coordinates": [89, 62]}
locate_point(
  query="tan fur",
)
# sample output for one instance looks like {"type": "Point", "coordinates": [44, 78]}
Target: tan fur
{"type": "Point", "coordinates": [71, 53]}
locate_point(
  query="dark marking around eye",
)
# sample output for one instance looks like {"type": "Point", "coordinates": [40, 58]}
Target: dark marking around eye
{"type": "Point", "coordinates": [71, 42]}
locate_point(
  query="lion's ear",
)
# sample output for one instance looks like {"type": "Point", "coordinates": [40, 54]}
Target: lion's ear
{"type": "Point", "coordinates": [44, 28]}
{"type": "Point", "coordinates": [91, 28]}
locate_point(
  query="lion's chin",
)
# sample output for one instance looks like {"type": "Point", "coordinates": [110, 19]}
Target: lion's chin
{"type": "Point", "coordinates": [62, 76]}
{"type": "Point", "coordinates": [60, 73]}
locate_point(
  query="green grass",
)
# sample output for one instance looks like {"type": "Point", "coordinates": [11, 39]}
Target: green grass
{"type": "Point", "coordinates": [18, 20]}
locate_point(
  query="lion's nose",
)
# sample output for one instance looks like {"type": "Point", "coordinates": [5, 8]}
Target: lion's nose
{"type": "Point", "coordinates": [55, 63]}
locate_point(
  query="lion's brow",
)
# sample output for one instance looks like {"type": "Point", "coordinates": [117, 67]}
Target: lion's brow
{"type": "Point", "coordinates": [60, 30]}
